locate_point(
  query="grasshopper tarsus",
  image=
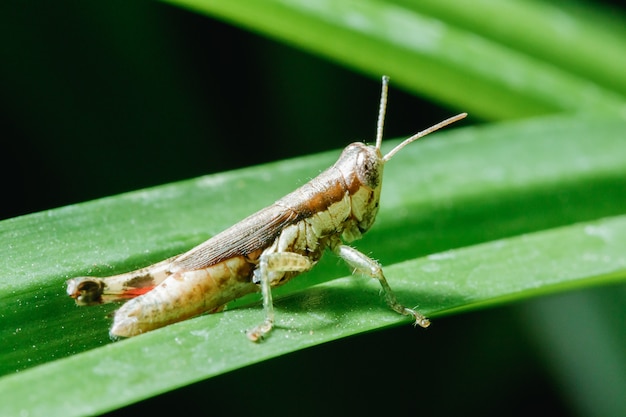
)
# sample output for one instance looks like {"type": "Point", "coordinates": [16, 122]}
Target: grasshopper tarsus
{"type": "Point", "coordinates": [419, 319]}
{"type": "Point", "coordinates": [258, 333]}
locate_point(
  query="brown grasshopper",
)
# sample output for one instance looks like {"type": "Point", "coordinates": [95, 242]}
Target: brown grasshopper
{"type": "Point", "coordinates": [262, 251]}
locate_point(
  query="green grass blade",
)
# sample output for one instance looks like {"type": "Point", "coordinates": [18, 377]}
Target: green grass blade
{"type": "Point", "coordinates": [437, 54]}
{"type": "Point", "coordinates": [125, 372]}
{"type": "Point", "coordinates": [469, 186]}
{"type": "Point", "coordinates": [560, 34]}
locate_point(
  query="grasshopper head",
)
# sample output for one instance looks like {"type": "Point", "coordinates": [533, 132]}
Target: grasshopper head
{"type": "Point", "coordinates": [369, 172]}
{"type": "Point", "coordinates": [362, 169]}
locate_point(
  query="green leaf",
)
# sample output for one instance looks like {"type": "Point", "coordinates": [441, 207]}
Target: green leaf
{"type": "Point", "coordinates": [480, 216]}
{"type": "Point", "coordinates": [536, 191]}
{"type": "Point", "coordinates": [455, 54]}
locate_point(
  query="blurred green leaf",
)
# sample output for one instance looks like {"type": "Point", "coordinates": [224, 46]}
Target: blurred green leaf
{"type": "Point", "coordinates": [448, 53]}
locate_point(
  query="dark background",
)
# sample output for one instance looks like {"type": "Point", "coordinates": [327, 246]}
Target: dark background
{"type": "Point", "coordinates": [99, 98]}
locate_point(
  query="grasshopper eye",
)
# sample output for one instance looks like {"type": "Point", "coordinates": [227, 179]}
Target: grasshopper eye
{"type": "Point", "coordinates": [369, 167]}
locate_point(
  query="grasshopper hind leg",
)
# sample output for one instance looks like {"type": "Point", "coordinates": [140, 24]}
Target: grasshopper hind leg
{"type": "Point", "coordinates": [367, 266]}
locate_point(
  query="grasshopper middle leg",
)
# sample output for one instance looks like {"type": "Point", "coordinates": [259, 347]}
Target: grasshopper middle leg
{"type": "Point", "coordinates": [270, 266]}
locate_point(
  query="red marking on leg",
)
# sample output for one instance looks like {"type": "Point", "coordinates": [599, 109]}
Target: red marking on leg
{"type": "Point", "coordinates": [135, 292]}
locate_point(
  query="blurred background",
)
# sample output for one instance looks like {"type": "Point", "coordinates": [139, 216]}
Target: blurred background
{"type": "Point", "coordinates": [99, 98]}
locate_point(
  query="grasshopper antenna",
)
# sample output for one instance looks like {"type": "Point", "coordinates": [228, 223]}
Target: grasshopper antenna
{"type": "Point", "coordinates": [420, 134]}
{"type": "Point", "coordinates": [381, 112]}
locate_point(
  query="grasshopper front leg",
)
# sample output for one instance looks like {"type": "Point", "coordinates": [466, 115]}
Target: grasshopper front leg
{"type": "Point", "coordinates": [272, 267]}
{"type": "Point", "coordinates": [365, 265]}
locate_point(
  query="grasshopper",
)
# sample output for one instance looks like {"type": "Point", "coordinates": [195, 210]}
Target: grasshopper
{"type": "Point", "coordinates": [264, 250]}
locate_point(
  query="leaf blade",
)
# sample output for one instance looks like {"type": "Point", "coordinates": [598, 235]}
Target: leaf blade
{"type": "Point", "coordinates": [123, 370]}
